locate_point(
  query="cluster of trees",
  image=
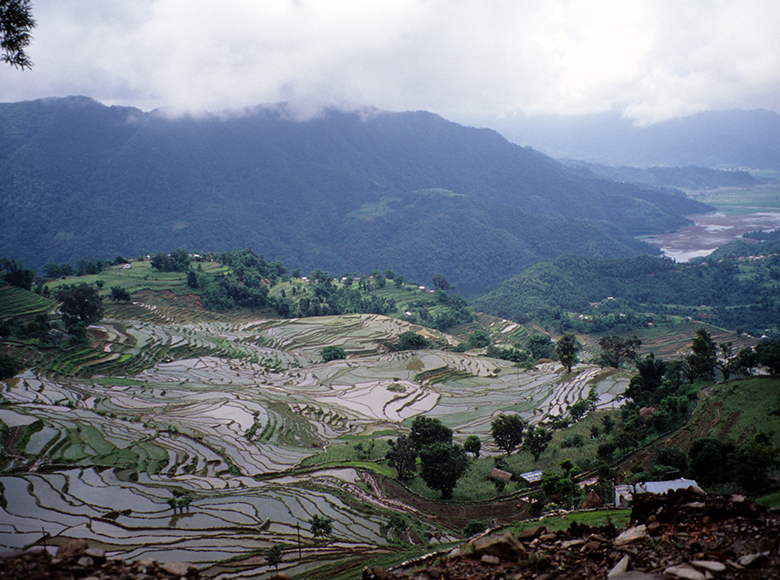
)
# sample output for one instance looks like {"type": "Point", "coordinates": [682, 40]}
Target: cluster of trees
{"type": "Point", "coordinates": [410, 341]}
{"type": "Point", "coordinates": [539, 346]}
{"type": "Point", "coordinates": [251, 276]}
{"type": "Point", "coordinates": [334, 352]}
{"type": "Point", "coordinates": [510, 432]}
{"type": "Point", "coordinates": [83, 267]}
{"type": "Point", "coordinates": [442, 462]}
{"type": "Point", "coordinates": [660, 396]}
{"type": "Point", "coordinates": [176, 261]}
{"type": "Point", "coordinates": [716, 464]}
{"type": "Point", "coordinates": [453, 310]}
{"type": "Point", "coordinates": [15, 274]}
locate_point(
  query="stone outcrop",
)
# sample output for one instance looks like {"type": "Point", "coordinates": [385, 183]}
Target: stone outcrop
{"type": "Point", "coordinates": [684, 534]}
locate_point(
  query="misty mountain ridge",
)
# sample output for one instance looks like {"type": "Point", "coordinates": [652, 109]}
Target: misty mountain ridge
{"type": "Point", "coordinates": [715, 139]}
{"type": "Point", "coordinates": [344, 191]}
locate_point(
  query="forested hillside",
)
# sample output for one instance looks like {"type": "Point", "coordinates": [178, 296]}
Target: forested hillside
{"type": "Point", "coordinates": [736, 288]}
{"type": "Point", "coordinates": [342, 192]}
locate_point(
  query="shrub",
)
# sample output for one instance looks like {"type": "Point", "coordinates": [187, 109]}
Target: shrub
{"type": "Point", "coordinates": [474, 527]}
{"type": "Point", "coordinates": [330, 353]}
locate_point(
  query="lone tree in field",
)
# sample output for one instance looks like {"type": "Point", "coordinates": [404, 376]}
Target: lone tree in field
{"type": "Point", "coordinates": [119, 294]}
{"type": "Point", "coordinates": [330, 353]}
{"type": "Point", "coordinates": [567, 351]}
{"type": "Point", "coordinates": [615, 349]}
{"type": "Point", "coordinates": [402, 456]}
{"type": "Point", "coordinates": [274, 555]}
{"type": "Point", "coordinates": [81, 304]}
{"type": "Point", "coordinates": [472, 445]}
{"type": "Point", "coordinates": [536, 440]}
{"type": "Point", "coordinates": [442, 464]}
{"type": "Point", "coordinates": [507, 431]}
{"type": "Point", "coordinates": [703, 357]}
{"type": "Point", "coordinates": [321, 526]}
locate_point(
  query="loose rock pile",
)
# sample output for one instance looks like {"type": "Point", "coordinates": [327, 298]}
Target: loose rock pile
{"type": "Point", "coordinates": [683, 534]}
{"type": "Point", "coordinates": [75, 559]}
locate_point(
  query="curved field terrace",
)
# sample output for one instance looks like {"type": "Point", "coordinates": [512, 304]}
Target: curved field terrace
{"type": "Point", "coordinates": [187, 442]}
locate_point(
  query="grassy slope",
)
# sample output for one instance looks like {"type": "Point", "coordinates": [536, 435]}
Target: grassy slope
{"type": "Point", "coordinates": [19, 302]}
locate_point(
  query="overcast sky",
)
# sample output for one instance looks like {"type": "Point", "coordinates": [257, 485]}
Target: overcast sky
{"type": "Point", "coordinates": [650, 59]}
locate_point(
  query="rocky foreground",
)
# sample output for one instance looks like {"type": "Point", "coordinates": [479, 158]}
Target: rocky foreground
{"type": "Point", "coordinates": [683, 534]}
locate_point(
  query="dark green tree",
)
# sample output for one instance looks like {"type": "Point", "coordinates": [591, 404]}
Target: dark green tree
{"type": "Point", "coordinates": [536, 440]}
{"type": "Point", "coordinates": [747, 360]}
{"type": "Point", "coordinates": [440, 283]}
{"type": "Point", "coordinates": [81, 303]}
{"type": "Point", "coordinates": [472, 445]}
{"type": "Point", "coordinates": [479, 339]}
{"type": "Point", "coordinates": [615, 349]}
{"type": "Point", "coordinates": [330, 353]}
{"type": "Point", "coordinates": [727, 361]}
{"type": "Point", "coordinates": [507, 431]}
{"type": "Point", "coordinates": [539, 345]}
{"type": "Point", "coordinates": [567, 351]}
{"type": "Point", "coordinates": [441, 465]}
{"type": "Point", "coordinates": [321, 525]}
{"type": "Point", "coordinates": [16, 23]}
{"type": "Point", "coordinates": [13, 272]}
{"type": "Point", "coordinates": [703, 357]}
{"type": "Point", "coordinates": [579, 409]}
{"type": "Point", "coordinates": [274, 555]}
{"type": "Point", "coordinates": [769, 355]}
{"type": "Point", "coordinates": [708, 461]}
{"type": "Point", "coordinates": [410, 341]}
{"type": "Point", "coordinates": [402, 456]}
{"type": "Point", "coordinates": [753, 463]}
{"type": "Point", "coordinates": [9, 366]}
{"type": "Point", "coordinates": [643, 386]}
{"type": "Point", "coordinates": [119, 294]}
{"type": "Point", "coordinates": [429, 430]}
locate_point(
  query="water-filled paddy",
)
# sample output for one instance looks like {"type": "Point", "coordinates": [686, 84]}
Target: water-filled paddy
{"type": "Point", "coordinates": [228, 430]}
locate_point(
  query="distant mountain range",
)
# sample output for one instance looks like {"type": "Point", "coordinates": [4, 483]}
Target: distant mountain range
{"type": "Point", "coordinates": [714, 139]}
{"type": "Point", "coordinates": [346, 192]}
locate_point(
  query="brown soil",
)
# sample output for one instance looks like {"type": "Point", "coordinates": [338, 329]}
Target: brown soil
{"type": "Point", "coordinates": [457, 515]}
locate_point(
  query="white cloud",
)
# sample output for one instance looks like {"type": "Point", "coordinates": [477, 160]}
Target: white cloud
{"type": "Point", "coordinates": [653, 59]}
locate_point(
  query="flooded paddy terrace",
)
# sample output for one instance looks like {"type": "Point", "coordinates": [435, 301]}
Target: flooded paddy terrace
{"type": "Point", "coordinates": [103, 458]}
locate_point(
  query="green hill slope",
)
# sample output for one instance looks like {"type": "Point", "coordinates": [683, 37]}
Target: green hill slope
{"type": "Point", "coordinates": [342, 192]}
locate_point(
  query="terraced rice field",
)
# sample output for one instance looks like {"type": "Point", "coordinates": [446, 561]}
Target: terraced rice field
{"type": "Point", "coordinates": [15, 301]}
{"type": "Point", "coordinates": [101, 440]}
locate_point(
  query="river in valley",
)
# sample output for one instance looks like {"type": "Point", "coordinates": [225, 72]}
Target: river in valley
{"type": "Point", "coordinates": [711, 231]}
